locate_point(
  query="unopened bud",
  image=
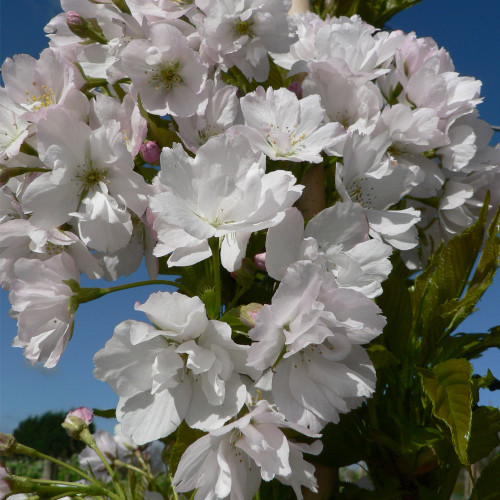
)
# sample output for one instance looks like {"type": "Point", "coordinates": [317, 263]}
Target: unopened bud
{"type": "Point", "coordinates": [259, 260]}
{"type": "Point", "coordinates": [150, 152]}
{"type": "Point", "coordinates": [248, 313]}
{"type": "Point", "coordinates": [73, 19]}
{"type": "Point", "coordinates": [84, 28]}
{"type": "Point", "coordinates": [77, 423]}
{"type": "Point", "coordinates": [296, 88]}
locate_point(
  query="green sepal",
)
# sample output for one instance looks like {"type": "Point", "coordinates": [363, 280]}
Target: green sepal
{"type": "Point", "coordinates": [111, 413]}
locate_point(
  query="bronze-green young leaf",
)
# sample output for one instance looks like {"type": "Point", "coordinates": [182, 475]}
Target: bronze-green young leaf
{"type": "Point", "coordinates": [448, 386]}
{"type": "Point", "coordinates": [484, 433]}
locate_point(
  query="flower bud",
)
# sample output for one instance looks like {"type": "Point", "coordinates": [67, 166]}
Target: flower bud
{"type": "Point", "coordinates": [248, 313]}
{"type": "Point", "coordinates": [83, 413]}
{"type": "Point", "coordinates": [83, 28]}
{"type": "Point", "coordinates": [260, 261]}
{"type": "Point", "coordinates": [77, 424]}
{"type": "Point", "coordinates": [73, 19]}
{"type": "Point", "coordinates": [150, 152]}
{"type": "Point", "coordinates": [296, 88]}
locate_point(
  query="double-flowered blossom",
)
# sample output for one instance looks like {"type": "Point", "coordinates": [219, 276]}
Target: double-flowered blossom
{"type": "Point", "coordinates": [229, 462]}
{"type": "Point", "coordinates": [20, 239]}
{"type": "Point", "coordinates": [367, 176]}
{"type": "Point", "coordinates": [224, 193]}
{"type": "Point", "coordinates": [401, 162]}
{"type": "Point", "coordinates": [186, 367]}
{"type": "Point", "coordinates": [166, 73]}
{"type": "Point", "coordinates": [337, 239]}
{"type": "Point", "coordinates": [311, 335]}
{"type": "Point", "coordinates": [241, 33]}
{"type": "Point", "coordinates": [91, 180]}
{"type": "Point", "coordinates": [286, 128]}
{"type": "Point", "coordinates": [41, 303]}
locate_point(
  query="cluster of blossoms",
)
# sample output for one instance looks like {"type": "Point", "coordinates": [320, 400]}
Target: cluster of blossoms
{"type": "Point", "coordinates": [383, 119]}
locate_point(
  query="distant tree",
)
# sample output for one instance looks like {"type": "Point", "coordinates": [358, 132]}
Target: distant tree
{"type": "Point", "coordinates": [44, 433]}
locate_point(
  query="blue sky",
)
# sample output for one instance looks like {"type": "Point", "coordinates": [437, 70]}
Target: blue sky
{"type": "Point", "coordinates": [469, 32]}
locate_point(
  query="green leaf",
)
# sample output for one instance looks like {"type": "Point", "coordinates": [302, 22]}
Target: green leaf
{"type": "Point", "coordinates": [468, 345]}
{"type": "Point", "coordinates": [448, 386]}
{"type": "Point", "coordinates": [457, 310]}
{"type": "Point", "coordinates": [381, 357]}
{"type": "Point", "coordinates": [396, 306]}
{"type": "Point", "coordinates": [487, 485]}
{"type": "Point", "coordinates": [343, 443]}
{"type": "Point", "coordinates": [484, 433]}
{"type": "Point", "coordinates": [375, 12]}
{"type": "Point", "coordinates": [111, 413]}
{"type": "Point", "coordinates": [415, 437]}
{"type": "Point", "coordinates": [185, 436]}
{"type": "Point", "coordinates": [444, 280]}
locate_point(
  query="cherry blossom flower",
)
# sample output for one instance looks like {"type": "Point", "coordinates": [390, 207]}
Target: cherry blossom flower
{"type": "Point", "coordinates": [337, 238]}
{"type": "Point", "coordinates": [286, 128]}
{"type": "Point", "coordinates": [218, 112]}
{"type": "Point", "coordinates": [366, 177]}
{"type": "Point", "coordinates": [20, 239]}
{"type": "Point", "coordinates": [225, 463]}
{"type": "Point", "coordinates": [165, 72]}
{"type": "Point", "coordinates": [186, 368]}
{"type": "Point", "coordinates": [41, 303]}
{"type": "Point", "coordinates": [223, 192]}
{"type": "Point", "coordinates": [241, 33]}
{"type": "Point", "coordinates": [92, 179]}
{"type": "Point", "coordinates": [50, 82]}
{"type": "Point", "coordinates": [310, 335]}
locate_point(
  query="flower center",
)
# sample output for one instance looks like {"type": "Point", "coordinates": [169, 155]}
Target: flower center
{"type": "Point", "coordinates": [93, 177]}
{"type": "Point", "coordinates": [51, 249]}
{"type": "Point", "coordinates": [243, 28]}
{"type": "Point", "coordinates": [284, 142]}
{"type": "Point", "coordinates": [167, 76]}
{"type": "Point", "coordinates": [48, 98]}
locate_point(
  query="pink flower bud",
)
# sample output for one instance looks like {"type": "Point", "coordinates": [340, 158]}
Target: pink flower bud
{"type": "Point", "coordinates": [248, 313]}
{"type": "Point", "coordinates": [77, 423]}
{"type": "Point", "coordinates": [150, 152]}
{"type": "Point", "coordinates": [83, 413]}
{"type": "Point", "coordinates": [296, 88]}
{"type": "Point", "coordinates": [73, 18]}
{"type": "Point", "coordinates": [260, 261]}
